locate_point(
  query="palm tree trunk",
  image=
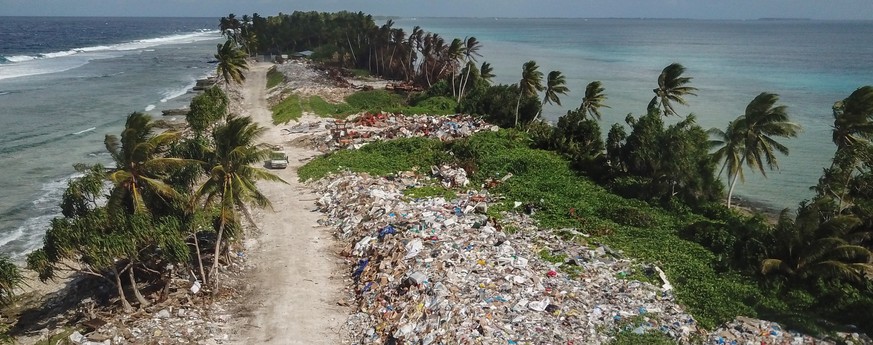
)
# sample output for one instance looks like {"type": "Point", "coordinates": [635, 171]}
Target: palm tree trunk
{"type": "Point", "coordinates": [125, 305]}
{"type": "Point", "coordinates": [464, 85]}
{"type": "Point", "coordinates": [517, 104]}
{"type": "Point", "coordinates": [139, 298]}
{"type": "Point", "coordinates": [217, 252]}
{"type": "Point", "coordinates": [199, 257]}
{"type": "Point", "coordinates": [734, 182]}
{"type": "Point", "coordinates": [543, 103]}
{"type": "Point", "coordinates": [454, 92]}
{"type": "Point", "coordinates": [723, 165]}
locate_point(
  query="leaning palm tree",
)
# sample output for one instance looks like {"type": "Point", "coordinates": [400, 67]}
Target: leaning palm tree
{"type": "Point", "coordinates": [556, 85]}
{"type": "Point", "coordinates": [672, 87]}
{"type": "Point", "coordinates": [486, 72]}
{"type": "Point", "coordinates": [812, 248]}
{"type": "Point", "coordinates": [759, 125]}
{"type": "Point", "coordinates": [852, 131]}
{"type": "Point", "coordinates": [231, 63]}
{"type": "Point", "coordinates": [729, 148]}
{"type": "Point", "coordinates": [530, 84]}
{"type": "Point", "coordinates": [853, 118]}
{"type": "Point", "coordinates": [593, 100]}
{"type": "Point", "coordinates": [140, 165]}
{"type": "Point", "coordinates": [471, 51]}
{"type": "Point", "coordinates": [231, 184]}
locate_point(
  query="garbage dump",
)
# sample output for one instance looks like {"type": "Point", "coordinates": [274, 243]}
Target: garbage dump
{"type": "Point", "coordinates": [331, 134]}
{"type": "Point", "coordinates": [438, 271]}
{"type": "Point", "coordinates": [441, 271]}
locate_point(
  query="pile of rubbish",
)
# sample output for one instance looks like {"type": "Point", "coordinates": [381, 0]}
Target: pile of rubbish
{"type": "Point", "coordinates": [744, 330]}
{"type": "Point", "coordinates": [438, 271]}
{"type": "Point", "coordinates": [329, 134]}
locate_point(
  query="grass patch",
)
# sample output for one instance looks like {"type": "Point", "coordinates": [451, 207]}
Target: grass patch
{"type": "Point", "coordinates": [293, 106]}
{"type": "Point", "coordinates": [290, 108]}
{"type": "Point", "coordinates": [379, 158]}
{"type": "Point", "coordinates": [274, 77]}
{"type": "Point", "coordinates": [430, 191]}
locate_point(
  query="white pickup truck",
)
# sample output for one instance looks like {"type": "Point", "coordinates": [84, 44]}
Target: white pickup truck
{"type": "Point", "coordinates": [278, 160]}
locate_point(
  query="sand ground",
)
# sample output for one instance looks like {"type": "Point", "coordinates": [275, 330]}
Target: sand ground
{"type": "Point", "coordinates": [295, 284]}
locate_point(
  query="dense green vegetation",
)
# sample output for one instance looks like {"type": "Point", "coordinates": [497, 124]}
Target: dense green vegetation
{"type": "Point", "coordinates": [293, 106]}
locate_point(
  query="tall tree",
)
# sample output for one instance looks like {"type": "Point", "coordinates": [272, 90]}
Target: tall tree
{"type": "Point", "coordinates": [758, 127]}
{"type": "Point", "coordinates": [852, 131]}
{"type": "Point", "coordinates": [672, 87]}
{"type": "Point", "coordinates": [531, 83]}
{"type": "Point", "coordinates": [556, 85]}
{"type": "Point", "coordinates": [231, 183]}
{"type": "Point", "coordinates": [593, 100]}
{"type": "Point", "coordinates": [231, 63]}
{"type": "Point", "coordinates": [471, 51]}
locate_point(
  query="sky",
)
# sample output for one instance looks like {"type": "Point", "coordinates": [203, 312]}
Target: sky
{"type": "Point", "coordinates": [695, 9]}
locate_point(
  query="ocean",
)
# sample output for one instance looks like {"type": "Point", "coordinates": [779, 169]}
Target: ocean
{"type": "Point", "coordinates": [67, 82]}
{"type": "Point", "coordinates": [810, 64]}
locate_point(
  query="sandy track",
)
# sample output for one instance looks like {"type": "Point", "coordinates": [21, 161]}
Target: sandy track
{"type": "Point", "coordinates": [295, 285]}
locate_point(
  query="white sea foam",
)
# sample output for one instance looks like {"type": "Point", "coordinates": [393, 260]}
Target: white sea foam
{"type": "Point", "coordinates": [85, 131]}
{"type": "Point", "coordinates": [20, 58]}
{"type": "Point", "coordinates": [176, 92]}
{"type": "Point", "coordinates": [25, 65]}
{"type": "Point", "coordinates": [150, 107]}
{"type": "Point", "coordinates": [28, 236]}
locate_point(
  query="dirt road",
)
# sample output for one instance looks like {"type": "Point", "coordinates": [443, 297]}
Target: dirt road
{"type": "Point", "coordinates": [295, 285]}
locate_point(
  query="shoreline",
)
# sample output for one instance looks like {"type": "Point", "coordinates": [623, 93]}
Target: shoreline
{"type": "Point", "coordinates": [281, 294]}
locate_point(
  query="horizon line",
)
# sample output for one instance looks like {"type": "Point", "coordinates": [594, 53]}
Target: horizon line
{"type": "Point", "coordinates": [475, 17]}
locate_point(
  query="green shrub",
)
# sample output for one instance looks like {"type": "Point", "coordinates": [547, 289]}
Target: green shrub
{"type": "Point", "coordinates": [274, 77]}
{"type": "Point", "coordinates": [436, 105]}
{"type": "Point", "coordinates": [629, 216]}
{"type": "Point", "coordinates": [374, 100]}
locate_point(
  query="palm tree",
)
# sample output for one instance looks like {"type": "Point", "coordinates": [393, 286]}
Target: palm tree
{"type": "Point", "coordinates": [852, 131]}
{"type": "Point", "coordinates": [672, 87]}
{"type": "Point", "coordinates": [811, 248]}
{"type": "Point", "coordinates": [471, 51]}
{"type": "Point", "coordinates": [486, 72]}
{"type": "Point", "coordinates": [231, 183]}
{"type": "Point", "coordinates": [556, 85]}
{"type": "Point", "coordinates": [231, 62]}
{"type": "Point", "coordinates": [593, 100]}
{"type": "Point", "coordinates": [761, 122]}
{"type": "Point", "coordinates": [729, 146]}
{"type": "Point", "coordinates": [530, 84]}
{"type": "Point", "coordinates": [141, 165]}
{"type": "Point", "coordinates": [853, 118]}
